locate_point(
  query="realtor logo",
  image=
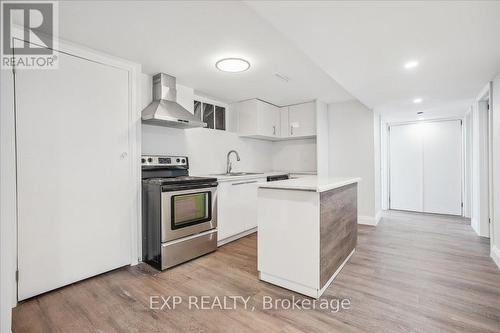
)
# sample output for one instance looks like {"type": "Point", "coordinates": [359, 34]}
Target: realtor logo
{"type": "Point", "coordinates": [28, 30]}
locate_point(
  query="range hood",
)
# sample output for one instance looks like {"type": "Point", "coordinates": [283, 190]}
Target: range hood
{"type": "Point", "coordinates": [164, 109]}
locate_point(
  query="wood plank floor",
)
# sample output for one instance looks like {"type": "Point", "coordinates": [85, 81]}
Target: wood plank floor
{"type": "Point", "coordinates": [411, 273]}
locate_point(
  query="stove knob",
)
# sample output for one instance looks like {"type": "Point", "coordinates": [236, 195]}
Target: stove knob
{"type": "Point", "coordinates": [150, 160]}
{"type": "Point", "coordinates": [183, 160]}
{"type": "Point", "coordinates": [178, 160]}
{"type": "Point", "coordinates": [143, 160]}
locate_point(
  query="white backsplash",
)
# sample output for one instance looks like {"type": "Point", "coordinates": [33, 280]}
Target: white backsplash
{"type": "Point", "coordinates": [295, 155]}
{"type": "Point", "coordinates": [207, 150]}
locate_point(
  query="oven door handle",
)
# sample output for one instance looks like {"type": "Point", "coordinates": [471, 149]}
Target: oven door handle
{"type": "Point", "coordinates": [172, 188]}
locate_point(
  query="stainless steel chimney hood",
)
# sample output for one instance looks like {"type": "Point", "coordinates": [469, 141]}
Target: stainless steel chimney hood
{"type": "Point", "coordinates": [164, 109]}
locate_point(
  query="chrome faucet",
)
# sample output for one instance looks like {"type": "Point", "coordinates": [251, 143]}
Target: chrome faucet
{"type": "Point", "coordinates": [229, 165]}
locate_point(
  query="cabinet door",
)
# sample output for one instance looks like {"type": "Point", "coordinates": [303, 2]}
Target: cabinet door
{"type": "Point", "coordinates": [302, 119]}
{"type": "Point", "coordinates": [248, 194]}
{"type": "Point", "coordinates": [269, 120]}
{"type": "Point", "coordinates": [237, 204]}
{"type": "Point", "coordinates": [247, 117]}
{"type": "Point", "coordinates": [284, 123]}
{"type": "Point", "coordinates": [228, 223]}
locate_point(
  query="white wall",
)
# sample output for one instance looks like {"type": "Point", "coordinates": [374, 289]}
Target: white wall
{"type": "Point", "coordinates": [377, 141]}
{"type": "Point", "coordinates": [322, 139]}
{"type": "Point", "coordinates": [384, 164]}
{"type": "Point", "coordinates": [207, 148]}
{"type": "Point", "coordinates": [294, 155]}
{"type": "Point", "coordinates": [352, 152]}
{"type": "Point", "coordinates": [8, 234]}
{"type": "Point", "coordinates": [495, 107]}
{"type": "Point", "coordinates": [479, 213]}
{"type": "Point", "coordinates": [467, 125]}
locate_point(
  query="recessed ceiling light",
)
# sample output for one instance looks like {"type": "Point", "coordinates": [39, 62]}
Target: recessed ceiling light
{"type": "Point", "coordinates": [417, 100]}
{"type": "Point", "coordinates": [232, 65]}
{"type": "Point", "coordinates": [411, 64]}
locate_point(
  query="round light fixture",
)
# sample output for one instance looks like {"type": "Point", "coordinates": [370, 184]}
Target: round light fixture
{"type": "Point", "coordinates": [417, 100]}
{"type": "Point", "coordinates": [232, 65]}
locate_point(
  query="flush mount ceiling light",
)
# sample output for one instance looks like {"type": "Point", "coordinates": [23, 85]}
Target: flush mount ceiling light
{"type": "Point", "coordinates": [417, 100]}
{"type": "Point", "coordinates": [232, 65]}
{"type": "Point", "coordinates": [411, 64]}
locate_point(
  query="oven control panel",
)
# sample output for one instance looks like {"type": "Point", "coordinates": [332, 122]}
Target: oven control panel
{"type": "Point", "coordinates": [160, 160]}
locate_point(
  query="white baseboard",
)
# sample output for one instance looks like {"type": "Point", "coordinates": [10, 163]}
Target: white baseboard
{"type": "Point", "coordinates": [235, 237]}
{"type": "Point", "coordinates": [495, 255]}
{"type": "Point", "coordinates": [483, 232]}
{"type": "Point", "coordinates": [369, 220]}
{"type": "Point", "coordinates": [290, 285]}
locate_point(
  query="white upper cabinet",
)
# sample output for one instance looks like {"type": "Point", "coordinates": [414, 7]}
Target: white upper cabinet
{"type": "Point", "coordinates": [302, 120]}
{"type": "Point", "coordinates": [269, 120]}
{"type": "Point", "coordinates": [261, 120]}
{"type": "Point", "coordinates": [258, 119]}
{"type": "Point", "coordinates": [285, 127]}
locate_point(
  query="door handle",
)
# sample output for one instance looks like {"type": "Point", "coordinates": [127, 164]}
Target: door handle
{"type": "Point", "coordinates": [274, 130]}
{"type": "Point", "coordinates": [242, 183]}
{"type": "Point", "coordinates": [291, 129]}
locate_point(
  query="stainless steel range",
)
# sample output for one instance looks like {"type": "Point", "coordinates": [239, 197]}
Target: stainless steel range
{"type": "Point", "coordinates": [179, 212]}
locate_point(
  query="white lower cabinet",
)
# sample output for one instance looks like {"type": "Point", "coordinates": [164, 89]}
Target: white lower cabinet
{"type": "Point", "coordinates": [237, 208]}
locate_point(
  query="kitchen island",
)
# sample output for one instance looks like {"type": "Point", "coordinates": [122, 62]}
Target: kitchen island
{"type": "Point", "coordinates": [307, 231]}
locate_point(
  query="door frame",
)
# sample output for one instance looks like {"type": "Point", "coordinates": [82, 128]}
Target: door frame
{"type": "Point", "coordinates": [9, 147]}
{"type": "Point", "coordinates": [423, 121]}
{"type": "Point", "coordinates": [486, 97]}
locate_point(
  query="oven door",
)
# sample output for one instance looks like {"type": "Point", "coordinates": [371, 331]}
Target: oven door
{"type": "Point", "coordinates": [188, 210]}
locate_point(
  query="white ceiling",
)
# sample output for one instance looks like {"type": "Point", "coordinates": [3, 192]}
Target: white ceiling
{"type": "Point", "coordinates": [364, 44]}
{"type": "Point", "coordinates": [186, 38]}
{"type": "Point", "coordinates": [360, 44]}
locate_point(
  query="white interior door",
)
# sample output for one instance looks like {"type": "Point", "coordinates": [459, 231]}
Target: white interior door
{"type": "Point", "coordinates": [406, 183]}
{"type": "Point", "coordinates": [426, 167]}
{"type": "Point", "coordinates": [74, 186]}
{"type": "Point", "coordinates": [442, 167]}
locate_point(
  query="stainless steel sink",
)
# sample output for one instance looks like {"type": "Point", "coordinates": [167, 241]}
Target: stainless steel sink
{"type": "Point", "coordinates": [234, 174]}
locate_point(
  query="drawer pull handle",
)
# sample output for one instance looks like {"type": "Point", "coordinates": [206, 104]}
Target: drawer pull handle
{"type": "Point", "coordinates": [241, 183]}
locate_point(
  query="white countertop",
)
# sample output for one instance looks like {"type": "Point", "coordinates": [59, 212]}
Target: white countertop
{"type": "Point", "coordinates": [311, 183]}
{"type": "Point", "coordinates": [224, 178]}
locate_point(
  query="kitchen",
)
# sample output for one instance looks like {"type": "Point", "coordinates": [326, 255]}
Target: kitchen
{"type": "Point", "coordinates": [201, 172]}
{"type": "Point", "coordinates": [200, 213]}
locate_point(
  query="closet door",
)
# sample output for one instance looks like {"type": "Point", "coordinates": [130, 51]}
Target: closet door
{"type": "Point", "coordinates": [74, 186]}
{"type": "Point", "coordinates": [443, 167]}
{"type": "Point", "coordinates": [426, 167]}
{"type": "Point", "coordinates": [406, 167]}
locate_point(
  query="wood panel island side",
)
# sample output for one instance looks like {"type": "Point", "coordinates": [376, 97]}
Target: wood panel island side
{"type": "Point", "coordinates": [307, 231]}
